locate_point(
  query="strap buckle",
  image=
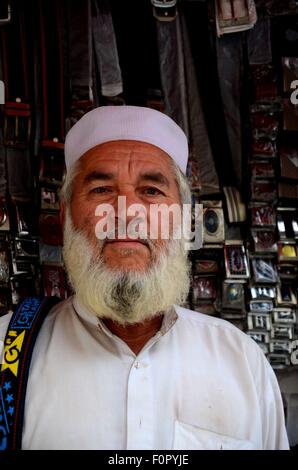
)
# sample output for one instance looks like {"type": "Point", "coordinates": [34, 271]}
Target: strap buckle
{"type": "Point", "coordinates": [8, 17]}
{"type": "Point", "coordinates": [164, 10]}
{"type": "Point", "coordinates": [17, 124]}
{"type": "Point", "coordinates": [4, 218]}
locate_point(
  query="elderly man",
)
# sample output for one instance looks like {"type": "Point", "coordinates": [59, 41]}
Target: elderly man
{"type": "Point", "coordinates": [120, 365]}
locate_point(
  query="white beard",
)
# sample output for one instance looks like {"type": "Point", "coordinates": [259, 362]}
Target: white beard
{"type": "Point", "coordinates": [126, 297]}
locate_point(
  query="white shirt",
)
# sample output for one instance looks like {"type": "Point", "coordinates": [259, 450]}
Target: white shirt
{"type": "Point", "coordinates": [199, 383]}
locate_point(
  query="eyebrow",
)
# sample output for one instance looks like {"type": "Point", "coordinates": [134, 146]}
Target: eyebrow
{"type": "Point", "coordinates": [98, 175]}
{"type": "Point", "coordinates": [156, 177]}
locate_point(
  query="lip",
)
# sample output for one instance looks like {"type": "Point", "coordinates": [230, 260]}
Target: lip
{"type": "Point", "coordinates": [125, 243]}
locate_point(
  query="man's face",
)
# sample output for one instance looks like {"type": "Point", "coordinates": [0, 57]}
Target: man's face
{"type": "Point", "coordinates": [139, 171]}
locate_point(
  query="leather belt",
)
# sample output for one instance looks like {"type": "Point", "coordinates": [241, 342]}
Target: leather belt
{"type": "Point", "coordinates": [164, 10]}
{"type": "Point", "coordinates": [5, 13]}
{"type": "Point", "coordinates": [52, 66]}
{"type": "Point", "coordinates": [17, 113]}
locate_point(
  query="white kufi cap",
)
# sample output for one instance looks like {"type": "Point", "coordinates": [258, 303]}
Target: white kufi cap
{"type": "Point", "coordinates": [110, 123]}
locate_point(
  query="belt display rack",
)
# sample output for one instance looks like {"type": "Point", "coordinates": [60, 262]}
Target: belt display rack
{"type": "Point", "coordinates": [234, 95]}
{"type": "Point", "coordinates": [33, 136]}
{"type": "Point", "coordinates": [258, 292]}
{"type": "Point", "coordinates": [247, 269]}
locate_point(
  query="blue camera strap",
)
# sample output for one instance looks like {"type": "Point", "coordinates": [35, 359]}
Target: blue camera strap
{"type": "Point", "coordinates": [19, 342]}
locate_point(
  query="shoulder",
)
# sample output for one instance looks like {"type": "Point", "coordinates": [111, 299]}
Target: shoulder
{"type": "Point", "coordinates": [4, 322]}
{"type": "Point", "coordinates": [219, 334]}
{"type": "Point", "coordinates": [197, 320]}
{"type": "Point", "coordinates": [218, 339]}
{"type": "Point", "coordinates": [59, 309]}
{"type": "Point", "coordinates": [57, 316]}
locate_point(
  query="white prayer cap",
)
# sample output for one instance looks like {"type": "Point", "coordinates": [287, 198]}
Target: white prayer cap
{"type": "Point", "coordinates": [110, 123]}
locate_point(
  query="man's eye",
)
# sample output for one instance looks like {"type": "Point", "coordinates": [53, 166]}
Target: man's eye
{"type": "Point", "coordinates": [100, 190]}
{"type": "Point", "coordinates": [153, 191]}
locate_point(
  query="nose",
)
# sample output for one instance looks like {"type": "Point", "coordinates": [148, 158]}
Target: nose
{"type": "Point", "coordinates": [126, 198]}
{"type": "Point", "coordinates": [129, 207]}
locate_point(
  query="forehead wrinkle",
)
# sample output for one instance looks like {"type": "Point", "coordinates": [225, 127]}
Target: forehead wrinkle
{"type": "Point", "coordinates": [126, 159]}
{"type": "Point", "coordinates": [152, 161]}
{"type": "Point", "coordinates": [98, 175]}
{"type": "Point", "coordinates": [116, 150]}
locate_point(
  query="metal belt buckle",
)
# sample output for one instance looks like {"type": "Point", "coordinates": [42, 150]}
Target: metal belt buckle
{"type": "Point", "coordinates": [26, 223]}
{"type": "Point", "coordinates": [7, 19]}
{"type": "Point", "coordinates": [164, 10]}
{"type": "Point", "coordinates": [17, 124]}
{"type": "Point", "coordinates": [236, 262]}
{"type": "Point", "coordinates": [49, 198]}
{"type": "Point", "coordinates": [54, 281]}
{"type": "Point", "coordinates": [26, 248]}
{"type": "Point", "coordinates": [4, 218]}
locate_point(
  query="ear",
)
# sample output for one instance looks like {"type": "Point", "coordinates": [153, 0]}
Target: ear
{"type": "Point", "coordinates": [62, 213]}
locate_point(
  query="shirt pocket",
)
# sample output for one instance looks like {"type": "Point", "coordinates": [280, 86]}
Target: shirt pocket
{"type": "Point", "coordinates": [189, 437]}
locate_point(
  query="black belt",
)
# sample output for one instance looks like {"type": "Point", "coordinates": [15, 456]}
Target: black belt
{"type": "Point", "coordinates": [79, 49]}
{"type": "Point", "coordinates": [52, 70]}
{"type": "Point", "coordinates": [17, 113]}
{"type": "Point", "coordinates": [15, 55]}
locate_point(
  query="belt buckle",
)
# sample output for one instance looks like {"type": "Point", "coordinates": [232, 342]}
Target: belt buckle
{"type": "Point", "coordinates": [8, 17]}
{"type": "Point", "coordinates": [26, 225]}
{"type": "Point", "coordinates": [17, 124]}
{"type": "Point", "coordinates": [4, 218]}
{"type": "Point", "coordinates": [54, 281]}
{"type": "Point", "coordinates": [164, 10]}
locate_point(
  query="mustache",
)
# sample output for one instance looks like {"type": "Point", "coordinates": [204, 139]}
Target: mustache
{"type": "Point", "coordinates": [113, 236]}
{"type": "Point", "coordinates": [148, 243]}
{"type": "Point", "coordinates": [124, 232]}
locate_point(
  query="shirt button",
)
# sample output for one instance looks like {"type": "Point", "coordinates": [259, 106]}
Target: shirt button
{"type": "Point", "coordinates": [137, 365]}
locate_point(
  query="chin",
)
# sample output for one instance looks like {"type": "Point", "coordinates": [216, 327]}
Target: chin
{"type": "Point", "coordinates": [127, 267]}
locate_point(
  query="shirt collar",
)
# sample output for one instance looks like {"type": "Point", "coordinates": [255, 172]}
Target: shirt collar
{"type": "Point", "coordinates": [169, 319]}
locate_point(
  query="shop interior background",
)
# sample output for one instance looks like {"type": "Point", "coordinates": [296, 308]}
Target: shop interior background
{"type": "Point", "coordinates": [227, 73]}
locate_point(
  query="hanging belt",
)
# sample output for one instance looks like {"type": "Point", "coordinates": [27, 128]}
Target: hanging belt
{"type": "Point", "coordinates": [52, 67]}
{"type": "Point", "coordinates": [3, 176]}
{"type": "Point", "coordinates": [20, 339]}
{"type": "Point", "coordinates": [5, 13]}
{"type": "Point", "coordinates": [53, 54]}
{"type": "Point", "coordinates": [79, 60]}
{"type": "Point", "coordinates": [105, 49]}
{"type": "Point", "coordinates": [15, 55]}
{"type": "Point", "coordinates": [230, 72]}
{"type": "Point", "coordinates": [17, 113]}
{"type": "Point", "coordinates": [79, 49]}
{"type": "Point", "coordinates": [182, 96]}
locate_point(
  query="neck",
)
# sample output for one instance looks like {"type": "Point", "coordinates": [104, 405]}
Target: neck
{"type": "Point", "coordinates": [136, 335]}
